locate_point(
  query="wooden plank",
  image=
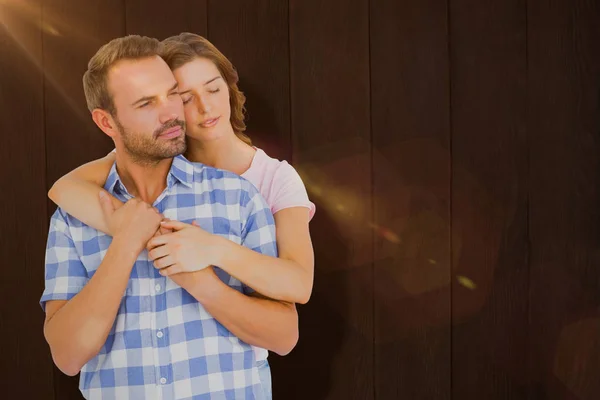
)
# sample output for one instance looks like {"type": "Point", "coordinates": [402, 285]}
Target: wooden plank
{"type": "Point", "coordinates": [82, 28]}
{"type": "Point", "coordinates": [72, 138]}
{"type": "Point", "coordinates": [490, 309]}
{"type": "Point", "coordinates": [153, 18]}
{"type": "Point", "coordinates": [329, 70]}
{"type": "Point", "coordinates": [563, 124]}
{"type": "Point", "coordinates": [254, 36]}
{"type": "Point", "coordinates": [26, 361]}
{"type": "Point", "coordinates": [411, 135]}
{"type": "Point", "coordinates": [489, 198]}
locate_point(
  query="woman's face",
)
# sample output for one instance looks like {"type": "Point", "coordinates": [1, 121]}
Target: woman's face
{"type": "Point", "coordinates": [205, 96]}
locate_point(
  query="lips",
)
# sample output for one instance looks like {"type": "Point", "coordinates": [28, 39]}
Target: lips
{"type": "Point", "coordinates": [209, 122]}
{"type": "Point", "coordinates": [171, 133]}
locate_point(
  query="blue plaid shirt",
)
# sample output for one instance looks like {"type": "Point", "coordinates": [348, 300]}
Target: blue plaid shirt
{"type": "Point", "coordinates": [164, 344]}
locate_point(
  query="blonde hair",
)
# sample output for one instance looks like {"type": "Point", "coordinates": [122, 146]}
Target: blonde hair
{"type": "Point", "coordinates": [95, 79]}
{"type": "Point", "coordinates": [183, 48]}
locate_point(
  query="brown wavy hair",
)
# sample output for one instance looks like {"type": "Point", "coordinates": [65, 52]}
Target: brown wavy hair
{"type": "Point", "coordinates": [183, 48]}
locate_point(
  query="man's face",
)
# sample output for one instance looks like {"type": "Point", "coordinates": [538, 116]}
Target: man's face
{"type": "Point", "coordinates": [149, 111]}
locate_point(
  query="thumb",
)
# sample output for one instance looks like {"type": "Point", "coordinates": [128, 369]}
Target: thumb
{"type": "Point", "coordinates": [106, 204]}
{"type": "Point", "coordinates": [174, 225]}
{"type": "Point", "coordinates": [164, 230]}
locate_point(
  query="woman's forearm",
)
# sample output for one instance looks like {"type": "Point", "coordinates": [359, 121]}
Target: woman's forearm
{"type": "Point", "coordinates": [80, 199]}
{"type": "Point", "coordinates": [276, 278]}
{"type": "Point", "coordinates": [77, 192]}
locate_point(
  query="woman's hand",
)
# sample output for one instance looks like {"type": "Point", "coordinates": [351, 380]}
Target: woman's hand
{"type": "Point", "coordinates": [187, 248]}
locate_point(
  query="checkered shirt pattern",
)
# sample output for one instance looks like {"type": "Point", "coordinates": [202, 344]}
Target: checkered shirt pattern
{"type": "Point", "coordinates": [164, 344]}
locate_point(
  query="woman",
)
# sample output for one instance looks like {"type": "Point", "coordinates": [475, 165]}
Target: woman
{"type": "Point", "coordinates": [213, 108]}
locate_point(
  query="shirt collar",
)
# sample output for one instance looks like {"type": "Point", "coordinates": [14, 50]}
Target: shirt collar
{"type": "Point", "coordinates": [181, 171]}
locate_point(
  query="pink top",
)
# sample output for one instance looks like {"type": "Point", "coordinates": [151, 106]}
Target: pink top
{"type": "Point", "coordinates": [278, 182]}
{"type": "Point", "coordinates": [281, 186]}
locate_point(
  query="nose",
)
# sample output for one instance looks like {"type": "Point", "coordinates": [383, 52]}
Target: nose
{"type": "Point", "coordinates": [166, 117]}
{"type": "Point", "coordinates": [203, 105]}
{"type": "Point", "coordinates": [171, 111]}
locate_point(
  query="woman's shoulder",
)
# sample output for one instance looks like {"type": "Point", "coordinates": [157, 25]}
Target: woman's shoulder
{"type": "Point", "coordinates": [280, 183]}
{"type": "Point", "coordinates": [265, 162]}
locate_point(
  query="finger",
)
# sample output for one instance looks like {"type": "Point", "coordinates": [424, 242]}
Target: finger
{"type": "Point", "coordinates": [158, 252]}
{"type": "Point", "coordinates": [195, 223]}
{"type": "Point", "coordinates": [172, 270]}
{"type": "Point", "coordinates": [106, 204]}
{"type": "Point", "coordinates": [164, 262]}
{"type": "Point", "coordinates": [164, 230]}
{"type": "Point", "coordinates": [159, 240]}
{"type": "Point", "coordinates": [174, 225]}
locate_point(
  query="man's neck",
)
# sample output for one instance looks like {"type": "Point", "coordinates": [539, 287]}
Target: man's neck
{"type": "Point", "coordinates": [145, 181]}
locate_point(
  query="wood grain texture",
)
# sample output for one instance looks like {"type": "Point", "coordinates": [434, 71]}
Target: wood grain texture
{"type": "Point", "coordinates": [564, 129]}
{"type": "Point", "coordinates": [489, 198]}
{"type": "Point", "coordinates": [26, 361]}
{"type": "Point", "coordinates": [158, 19]}
{"type": "Point", "coordinates": [411, 178]}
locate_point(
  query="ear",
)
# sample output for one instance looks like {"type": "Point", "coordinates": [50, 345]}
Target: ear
{"type": "Point", "coordinates": [105, 122]}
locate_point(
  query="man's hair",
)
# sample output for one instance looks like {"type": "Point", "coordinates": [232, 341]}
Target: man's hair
{"type": "Point", "coordinates": [95, 79]}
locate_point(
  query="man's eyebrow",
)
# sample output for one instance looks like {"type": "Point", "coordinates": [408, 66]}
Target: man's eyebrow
{"type": "Point", "coordinates": [147, 98]}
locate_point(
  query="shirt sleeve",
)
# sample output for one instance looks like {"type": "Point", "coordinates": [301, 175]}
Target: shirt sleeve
{"type": "Point", "coordinates": [258, 230]}
{"type": "Point", "coordinates": [290, 190]}
{"type": "Point", "coordinates": [65, 274]}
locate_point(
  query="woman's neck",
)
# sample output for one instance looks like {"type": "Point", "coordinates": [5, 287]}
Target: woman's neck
{"type": "Point", "coordinates": [229, 153]}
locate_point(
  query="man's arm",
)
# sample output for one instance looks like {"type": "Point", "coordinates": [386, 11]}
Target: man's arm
{"type": "Point", "coordinates": [77, 329]}
{"type": "Point", "coordinates": [80, 312]}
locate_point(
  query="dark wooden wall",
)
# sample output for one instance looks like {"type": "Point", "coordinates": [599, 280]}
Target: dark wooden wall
{"type": "Point", "coordinates": [452, 149]}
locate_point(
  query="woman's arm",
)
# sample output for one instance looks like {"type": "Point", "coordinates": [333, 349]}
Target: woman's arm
{"type": "Point", "coordinates": [287, 278]}
{"type": "Point", "coordinates": [77, 192]}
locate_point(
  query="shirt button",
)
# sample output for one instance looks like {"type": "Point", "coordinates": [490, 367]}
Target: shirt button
{"type": "Point", "coordinates": [159, 334]}
{"type": "Point", "coordinates": [163, 381]}
{"type": "Point", "coordinates": [157, 288]}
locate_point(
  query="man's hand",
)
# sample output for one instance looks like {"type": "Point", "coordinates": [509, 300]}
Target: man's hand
{"type": "Point", "coordinates": [187, 248]}
{"type": "Point", "coordinates": [136, 221]}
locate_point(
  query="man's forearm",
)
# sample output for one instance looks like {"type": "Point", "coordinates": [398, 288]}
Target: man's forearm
{"type": "Point", "coordinates": [265, 323]}
{"type": "Point", "coordinates": [77, 331]}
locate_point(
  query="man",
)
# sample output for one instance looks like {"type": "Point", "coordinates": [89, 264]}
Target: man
{"type": "Point", "coordinates": [110, 314]}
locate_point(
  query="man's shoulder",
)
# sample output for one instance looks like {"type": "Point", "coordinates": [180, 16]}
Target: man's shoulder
{"type": "Point", "coordinates": [65, 222]}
